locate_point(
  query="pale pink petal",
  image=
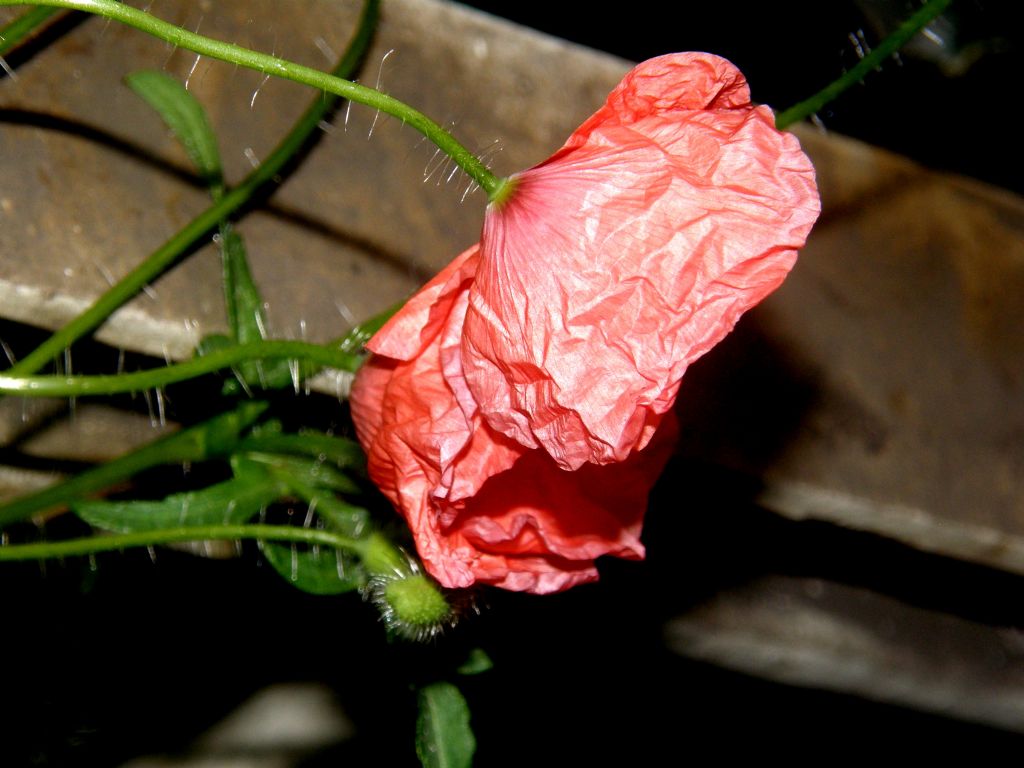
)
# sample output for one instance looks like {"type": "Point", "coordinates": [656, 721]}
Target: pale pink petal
{"type": "Point", "coordinates": [409, 329]}
{"type": "Point", "coordinates": [628, 255]}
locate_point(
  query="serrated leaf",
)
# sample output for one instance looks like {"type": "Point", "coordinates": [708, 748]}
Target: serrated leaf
{"type": "Point", "coordinates": [444, 738]}
{"type": "Point", "coordinates": [185, 117]}
{"type": "Point", "coordinates": [213, 342]}
{"type": "Point", "coordinates": [319, 571]}
{"type": "Point", "coordinates": [220, 434]}
{"type": "Point", "coordinates": [228, 503]}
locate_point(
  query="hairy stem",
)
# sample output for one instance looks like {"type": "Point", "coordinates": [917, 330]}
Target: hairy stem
{"type": "Point", "coordinates": [119, 383]}
{"type": "Point", "coordinates": [886, 48]}
{"type": "Point", "coordinates": [187, 237]}
{"type": "Point", "coordinates": [273, 65]}
{"type": "Point", "coordinates": [95, 544]}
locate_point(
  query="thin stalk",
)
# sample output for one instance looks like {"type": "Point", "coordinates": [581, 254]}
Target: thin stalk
{"type": "Point", "coordinates": [272, 65]}
{"type": "Point", "coordinates": [120, 383]}
{"type": "Point", "coordinates": [95, 544]}
{"type": "Point", "coordinates": [929, 11]}
{"type": "Point", "coordinates": [168, 253]}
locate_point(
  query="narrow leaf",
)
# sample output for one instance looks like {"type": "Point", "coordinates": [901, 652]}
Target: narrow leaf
{"type": "Point", "coordinates": [246, 316]}
{"type": "Point", "coordinates": [244, 303]}
{"type": "Point", "coordinates": [186, 118]}
{"type": "Point", "coordinates": [298, 473]}
{"type": "Point", "coordinates": [312, 481]}
{"type": "Point", "coordinates": [319, 571]}
{"type": "Point", "coordinates": [23, 27]}
{"type": "Point", "coordinates": [209, 439]}
{"type": "Point", "coordinates": [229, 503]}
{"type": "Point", "coordinates": [340, 515]}
{"type": "Point", "coordinates": [342, 452]}
{"type": "Point", "coordinates": [354, 340]}
{"type": "Point", "coordinates": [477, 661]}
{"type": "Point", "coordinates": [444, 738]}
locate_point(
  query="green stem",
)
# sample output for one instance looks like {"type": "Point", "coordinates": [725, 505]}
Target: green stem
{"type": "Point", "coordinates": [133, 282]}
{"type": "Point", "coordinates": [231, 202]}
{"type": "Point", "coordinates": [119, 383]}
{"type": "Point", "coordinates": [886, 48]}
{"type": "Point", "coordinates": [272, 65]}
{"type": "Point", "coordinates": [215, 437]}
{"type": "Point", "coordinates": [95, 544]}
{"type": "Point", "coordinates": [14, 33]}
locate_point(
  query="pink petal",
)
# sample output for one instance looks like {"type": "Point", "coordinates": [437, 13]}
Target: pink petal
{"type": "Point", "coordinates": [628, 255]}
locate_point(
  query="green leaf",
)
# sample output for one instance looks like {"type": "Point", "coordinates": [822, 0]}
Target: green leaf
{"type": "Point", "coordinates": [246, 317]}
{"type": "Point", "coordinates": [23, 27]}
{"type": "Point", "coordinates": [187, 120]}
{"type": "Point", "coordinates": [477, 661]}
{"type": "Point", "coordinates": [244, 303]}
{"type": "Point", "coordinates": [354, 340]}
{"type": "Point", "coordinates": [443, 736]}
{"type": "Point", "coordinates": [217, 342]}
{"type": "Point", "coordinates": [312, 481]}
{"type": "Point", "coordinates": [213, 342]}
{"type": "Point", "coordinates": [319, 571]}
{"type": "Point", "coordinates": [340, 515]}
{"type": "Point", "coordinates": [342, 452]}
{"type": "Point", "coordinates": [297, 473]}
{"type": "Point", "coordinates": [209, 439]}
{"type": "Point", "coordinates": [228, 503]}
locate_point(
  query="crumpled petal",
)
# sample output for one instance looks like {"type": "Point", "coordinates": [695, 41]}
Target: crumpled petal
{"type": "Point", "coordinates": [482, 507]}
{"type": "Point", "coordinates": [627, 255]}
{"type": "Point", "coordinates": [517, 410]}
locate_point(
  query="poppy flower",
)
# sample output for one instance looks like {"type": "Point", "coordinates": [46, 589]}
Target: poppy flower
{"type": "Point", "coordinates": [481, 506]}
{"type": "Point", "coordinates": [517, 410]}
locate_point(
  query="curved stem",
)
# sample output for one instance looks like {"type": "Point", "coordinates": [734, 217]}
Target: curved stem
{"type": "Point", "coordinates": [95, 544]}
{"type": "Point", "coordinates": [126, 288]}
{"type": "Point", "coordinates": [272, 65]}
{"type": "Point", "coordinates": [886, 48]}
{"type": "Point", "coordinates": [168, 253]}
{"type": "Point", "coordinates": [119, 383]}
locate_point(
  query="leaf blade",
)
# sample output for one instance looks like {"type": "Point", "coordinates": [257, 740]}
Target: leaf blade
{"type": "Point", "coordinates": [444, 738]}
{"type": "Point", "coordinates": [228, 503]}
{"type": "Point", "coordinates": [320, 572]}
{"type": "Point", "coordinates": [186, 118]}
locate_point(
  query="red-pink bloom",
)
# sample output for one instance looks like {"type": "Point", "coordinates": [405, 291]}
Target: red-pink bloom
{"type": "Point", "coordinates": [517, 410]}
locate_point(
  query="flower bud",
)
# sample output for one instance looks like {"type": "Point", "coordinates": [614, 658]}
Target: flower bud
{"type": "Point", "coordinates": [412, 604]}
